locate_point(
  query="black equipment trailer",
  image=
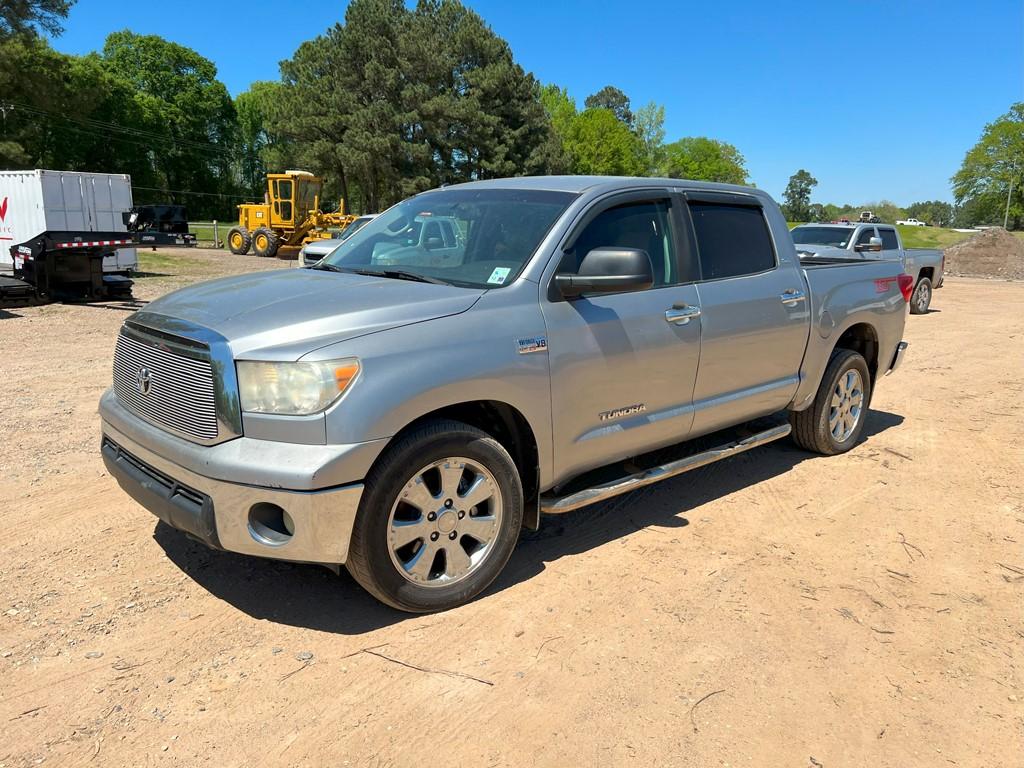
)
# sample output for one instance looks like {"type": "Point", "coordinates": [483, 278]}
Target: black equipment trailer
{"type": "Point", "coordinates": [65, 266]}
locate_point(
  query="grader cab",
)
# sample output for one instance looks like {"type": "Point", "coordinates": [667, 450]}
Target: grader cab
{"type": "Point", "coordinates": [289, 217]}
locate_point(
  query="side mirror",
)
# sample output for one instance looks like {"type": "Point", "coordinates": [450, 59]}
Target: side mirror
{"type": "Point", "coordinates": [873, 244]}
{"type": "Point", "coordinates": [609, 270]}
{"type": "Point", "coordinates": [433, 243]}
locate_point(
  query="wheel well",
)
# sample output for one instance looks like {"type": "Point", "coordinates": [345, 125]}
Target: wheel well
{"type": "Point", "coordinates": [862, 338]}
{"type": "Point", "coordinates": [928, 272]}
{"type": "Point", "coordinates": [509, 427]}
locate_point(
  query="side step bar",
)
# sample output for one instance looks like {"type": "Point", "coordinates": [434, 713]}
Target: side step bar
{"type": "Point", "coordinates": [554, 505]}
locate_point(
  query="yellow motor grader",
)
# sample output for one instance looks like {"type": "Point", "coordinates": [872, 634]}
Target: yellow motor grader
{"type": "Point", "coordinates": [289, 217]}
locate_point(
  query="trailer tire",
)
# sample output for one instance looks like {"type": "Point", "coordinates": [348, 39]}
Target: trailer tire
{"type": "Point", "coordinates": [922, 297]}
{"type": "Point", "coordinates": [239, 241]}
{"type": "Point", "coordinates": [835, 420]}
{"type": "Point", "coordinates": [265, 243]}
{"type": "Point", "coordinates": [476, 520]}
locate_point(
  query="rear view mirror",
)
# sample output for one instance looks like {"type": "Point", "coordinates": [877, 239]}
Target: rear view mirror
{"type": "Point", "coordinates": [609, 270]}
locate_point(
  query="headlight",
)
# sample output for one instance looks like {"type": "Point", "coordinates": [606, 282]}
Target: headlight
{"type": "Point", "coordinates": [293, 389]}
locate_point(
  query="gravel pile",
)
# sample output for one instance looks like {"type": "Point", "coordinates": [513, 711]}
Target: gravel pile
{"type": "Point", "coordinates": [990, 253]}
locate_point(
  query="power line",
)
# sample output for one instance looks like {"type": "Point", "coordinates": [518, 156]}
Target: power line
{"type": "Point", "coordinates": [150, 137]}
{"type": "Point", "coordinates": [186, 192]}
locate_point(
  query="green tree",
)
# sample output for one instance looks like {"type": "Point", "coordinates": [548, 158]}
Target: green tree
{"type": "Point", "coordinates": [601, 144]}
{"type": "Point", "coordinates": [260, 148]}
{"type": "Point", "coordinates": [613, 99]}
{"type": "Point", "coordinates": [935, 212]}
{"type": "Point", "coordinates": [28, 17]}
{"type": "Point", "coordinates": [650, 127]}
{"type": "Point", "coordinates": [703, 159]}
{"type": "Point", "coordinates": [184, 110]}
{"type": "Point", "coordinates": [989, 170]}
{"type": "Point", "coordinates": [395, 101]}
{"type": "Point", "coordinates": [797, 197]}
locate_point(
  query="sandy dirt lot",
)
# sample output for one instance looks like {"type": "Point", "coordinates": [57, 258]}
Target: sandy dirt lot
{"type": "Point", "coordinates": [778, 609]}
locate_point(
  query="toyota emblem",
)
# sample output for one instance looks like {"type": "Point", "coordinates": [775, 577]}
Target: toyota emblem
{"type": "Point", "coordinates": [143, 381]}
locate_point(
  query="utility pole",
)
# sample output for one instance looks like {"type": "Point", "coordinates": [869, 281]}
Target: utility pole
{"type": "Point", "coordinates": [1009, 193]}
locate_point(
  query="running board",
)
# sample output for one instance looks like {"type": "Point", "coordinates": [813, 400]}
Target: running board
{"type": "Point", "coordinates": [554, 505]}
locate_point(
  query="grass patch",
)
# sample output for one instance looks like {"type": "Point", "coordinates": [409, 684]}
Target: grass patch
{"type": "Point", "coordinates": [161, 262]}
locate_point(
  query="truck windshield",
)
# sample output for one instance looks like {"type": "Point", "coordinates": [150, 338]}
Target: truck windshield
{"type": "Point", "coordinates": [836, 237]}
{"type": "Point", "coordinates": [479, 238]}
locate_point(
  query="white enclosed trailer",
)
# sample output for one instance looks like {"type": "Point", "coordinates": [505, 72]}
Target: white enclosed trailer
{"type": "Point", "coordinates": [33, 202]}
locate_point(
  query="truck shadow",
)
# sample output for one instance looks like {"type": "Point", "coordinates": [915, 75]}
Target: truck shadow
{"type": "Point", "coordinates": [313, 597]}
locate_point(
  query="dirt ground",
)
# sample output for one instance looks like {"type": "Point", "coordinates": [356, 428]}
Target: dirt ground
{"type": "Point", "coordinates": [778, 609]}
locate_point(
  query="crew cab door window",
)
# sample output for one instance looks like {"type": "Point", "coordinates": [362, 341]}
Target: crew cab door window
{"type": "Point", "coordinates": [643, 225]}
{"type": "Point", "coordinates": [865, 235]}
{"type": "Point", "coordinates": [732, 240]}
{"type": "Point", "coordinates": [889, 241]}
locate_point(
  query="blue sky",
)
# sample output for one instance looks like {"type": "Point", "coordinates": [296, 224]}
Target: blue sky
{"type": "Point", "coordinates": [876, 99]}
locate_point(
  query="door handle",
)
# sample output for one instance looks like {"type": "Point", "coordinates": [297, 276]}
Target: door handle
{"type": "Point", "coordinates": [792, 296]}
{"type": "Point", "coordinates": [681, 314]}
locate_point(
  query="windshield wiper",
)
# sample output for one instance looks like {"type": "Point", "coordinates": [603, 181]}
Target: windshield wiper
{"type": "Point", "coordinates": [401, 274]}
{"type": "Point", "coordinates": [327, 267]}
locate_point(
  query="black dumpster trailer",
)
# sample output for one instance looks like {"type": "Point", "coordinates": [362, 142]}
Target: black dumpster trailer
{"type": "Point", "coordinates": [65, 266]}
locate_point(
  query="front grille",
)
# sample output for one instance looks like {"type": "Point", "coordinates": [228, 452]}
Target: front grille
{"type": "Point", "coordinates": [181, 389]}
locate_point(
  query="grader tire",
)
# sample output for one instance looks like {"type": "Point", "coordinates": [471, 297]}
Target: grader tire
{"type": "Point", "coordinates": [265, 243]}
{"type": "Point", "coordinates": [239, 241]}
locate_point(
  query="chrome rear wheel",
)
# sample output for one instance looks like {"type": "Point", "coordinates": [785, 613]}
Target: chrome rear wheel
{"type": "Point", "coordinates": [847, 405]}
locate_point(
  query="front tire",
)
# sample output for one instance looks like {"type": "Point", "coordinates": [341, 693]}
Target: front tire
{"type": "Point", "coordinates": [835, 420]}
{"type": "Point", "coordinates": [438, 520]}
{"type": "Point", "coordinates": [922, 297]}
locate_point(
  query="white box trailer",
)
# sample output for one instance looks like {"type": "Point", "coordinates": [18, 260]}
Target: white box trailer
{"type": "Point", "coordinates": [33, 202]}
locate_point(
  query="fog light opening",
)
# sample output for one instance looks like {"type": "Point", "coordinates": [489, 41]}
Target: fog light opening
{"type": "Point", "coordinates": [270, 524]}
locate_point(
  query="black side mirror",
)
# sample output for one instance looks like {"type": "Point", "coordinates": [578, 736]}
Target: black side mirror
{"type": "Point", "coordinates": [609, 270]}
{"type": "Point", "coordinates": [433, 243]}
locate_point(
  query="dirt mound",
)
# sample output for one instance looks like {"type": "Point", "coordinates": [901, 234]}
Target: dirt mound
{"type": "Point", "coordinates": [990, 253]}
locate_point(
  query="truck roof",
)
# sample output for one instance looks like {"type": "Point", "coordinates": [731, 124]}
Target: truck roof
{"type": "Point", "coordinates": [832, 225]}
{"type": "Point", "coordinates": [581, 184]}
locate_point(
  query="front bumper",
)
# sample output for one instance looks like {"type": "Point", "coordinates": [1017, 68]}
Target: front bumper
{"type": "Point", "coordinates": [225, 513]}
{"type": "Point", "coordinates": [897, 358]}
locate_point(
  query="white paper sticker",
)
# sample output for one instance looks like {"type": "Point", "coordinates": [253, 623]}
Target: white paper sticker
{"type": "Point", "coordinates": [498, 275]}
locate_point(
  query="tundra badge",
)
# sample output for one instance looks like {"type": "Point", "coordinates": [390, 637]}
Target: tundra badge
{"type": "Point", "coordinates": [629, 410]}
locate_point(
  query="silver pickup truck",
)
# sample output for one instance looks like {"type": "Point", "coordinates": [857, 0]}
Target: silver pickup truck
{"type": "Point", "coordinates": [408, 421]}
{"type": "Point", "coordinates": [875, 241]}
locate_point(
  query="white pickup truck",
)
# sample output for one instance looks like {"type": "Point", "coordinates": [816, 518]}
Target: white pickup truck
{"type": "Point", "coordinates": [875, 241]}
{"type": "Point", "coordinates": [911, 223]}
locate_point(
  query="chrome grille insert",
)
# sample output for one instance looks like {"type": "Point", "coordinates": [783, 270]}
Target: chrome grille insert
{"type": "Point", "coordinates": [180, 394]}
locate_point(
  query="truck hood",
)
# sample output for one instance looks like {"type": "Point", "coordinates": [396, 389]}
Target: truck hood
{"type": "Point", "coordinates": [283, 315]}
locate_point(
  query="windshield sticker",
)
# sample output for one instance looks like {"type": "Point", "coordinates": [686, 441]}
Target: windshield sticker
{"type": "Point", "coordinates": [498, 275]}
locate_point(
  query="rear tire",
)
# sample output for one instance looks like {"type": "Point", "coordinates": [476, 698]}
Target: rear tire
{"type": "Point", "coordinates": [406, 494]}
{"type": "Point", "coordinates": [265, 243]}
{"type": "Point", "coordinates": [922, 297]}
{"type": "Point", "coordinates": [239, 241]}
{"type": "Point", "coordinates": [835, 420]}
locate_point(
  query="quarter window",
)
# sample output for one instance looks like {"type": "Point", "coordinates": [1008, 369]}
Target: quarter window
{"type": "Point", "coordinates": [635, 225]}
{"type": "Point", "coordinates": [733, 240]}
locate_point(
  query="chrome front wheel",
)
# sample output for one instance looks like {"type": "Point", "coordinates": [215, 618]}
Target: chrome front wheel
{"type": "Point", "coordinates": [445, 521]}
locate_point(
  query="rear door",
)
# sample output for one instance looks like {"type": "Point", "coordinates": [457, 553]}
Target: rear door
{"type": "Point", "coordinates": [754, 314]}
{"type": "Point", "coordinates": [623, 365]}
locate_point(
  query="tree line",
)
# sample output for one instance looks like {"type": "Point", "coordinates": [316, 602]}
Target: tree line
{"type": "Point", "coordinates": [389, 102]}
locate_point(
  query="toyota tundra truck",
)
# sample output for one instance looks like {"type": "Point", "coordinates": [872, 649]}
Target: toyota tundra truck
{"type": "Point", "coordinates": [592, 336]}
{"type": "Point", "coordinates": [926, 266]}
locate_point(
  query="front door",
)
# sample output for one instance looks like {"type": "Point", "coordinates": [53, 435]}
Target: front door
{"type": "Point", "coordinates": [623, 365]}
